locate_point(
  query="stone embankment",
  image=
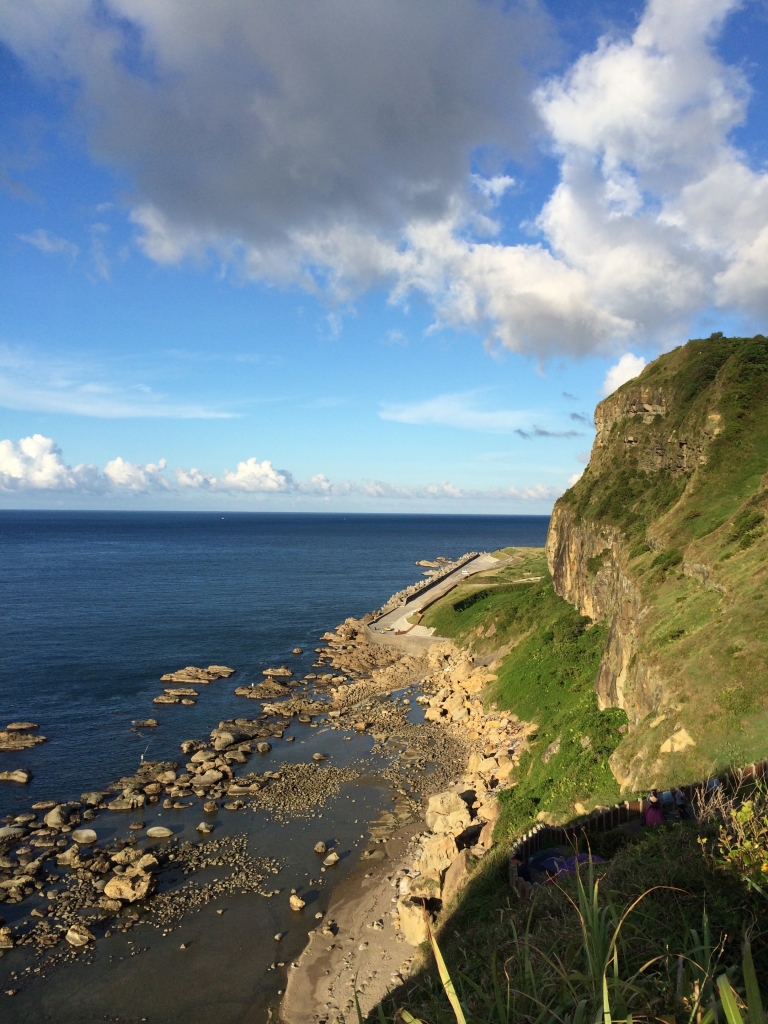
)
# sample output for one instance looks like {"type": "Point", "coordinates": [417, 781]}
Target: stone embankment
{"type": "Point", "coordinates": [404, 595]}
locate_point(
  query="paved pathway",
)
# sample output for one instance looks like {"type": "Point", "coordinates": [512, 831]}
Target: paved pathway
{"type": "Point", "coordinates": [396, 620]}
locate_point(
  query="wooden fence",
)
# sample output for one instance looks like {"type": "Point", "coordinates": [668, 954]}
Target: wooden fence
{"type": "Point", "coordinates": [541, 837]}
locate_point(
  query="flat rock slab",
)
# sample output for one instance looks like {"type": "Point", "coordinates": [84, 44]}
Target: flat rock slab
{"type": "Point", "coordinates": [21, 775]}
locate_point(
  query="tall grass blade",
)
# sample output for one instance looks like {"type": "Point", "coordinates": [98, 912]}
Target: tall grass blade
{"type": "Point", "coordinates": [380, 1014]}
{"type": "Point", "coordinates": [731, 1010]}
{"type": "Point", "coordinates": [445, 978]}
{"type": "Point", "coordinates": [755, 1010]}
{"type": "Point", "coordinates": [606, 1002]}
{"type": "Point", "coordinates": [357, 1007]}
{"type": "Point", "coordinates": [407, 1017]}
{"type": "Point", "coordinates": [501, 1009]}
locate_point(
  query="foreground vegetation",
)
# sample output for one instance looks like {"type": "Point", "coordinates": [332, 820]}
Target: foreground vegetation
{"type": "Point", "coordinates": [646, 935]}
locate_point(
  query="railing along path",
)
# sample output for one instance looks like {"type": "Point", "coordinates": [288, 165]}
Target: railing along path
{"type": "Point", "coordinates": [542, 836]}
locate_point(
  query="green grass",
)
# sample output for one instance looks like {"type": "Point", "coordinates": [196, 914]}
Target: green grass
{"type": "Point", "coordinates": [696, 548]}
{"type": "Point", "coordinates": [545, 959]}
{"type": "Point", "coordinates": [547, 678]}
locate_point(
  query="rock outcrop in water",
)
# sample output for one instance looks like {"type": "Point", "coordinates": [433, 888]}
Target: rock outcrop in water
{"type": "Point", "coordinates": [20, 736]}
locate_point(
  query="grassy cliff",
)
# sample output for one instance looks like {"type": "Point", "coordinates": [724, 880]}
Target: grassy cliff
{"type": "Point", "coordinates": [663, 541]}
{"type": "Point", "coordinates": [642, 658]}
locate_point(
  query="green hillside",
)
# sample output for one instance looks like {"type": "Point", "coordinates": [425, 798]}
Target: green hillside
{"type": "Point", "coordinates": [673, 504]}
{"type": "Point", "coordinates": [687, 491]}
{"type": "Point", "coordinates": [547, 677]}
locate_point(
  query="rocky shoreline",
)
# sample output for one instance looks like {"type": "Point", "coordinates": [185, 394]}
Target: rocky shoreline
{"type": "Point", "coordinates": [441, 753]}
{"type": "Point", "coordinates": [376, 919]}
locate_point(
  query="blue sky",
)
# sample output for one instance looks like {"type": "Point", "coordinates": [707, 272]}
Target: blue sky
{"type": "Point", "coordinates": [383, 257]}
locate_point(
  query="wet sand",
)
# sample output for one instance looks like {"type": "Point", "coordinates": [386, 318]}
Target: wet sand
{"type": "Point", "coordinates": [365, 954]}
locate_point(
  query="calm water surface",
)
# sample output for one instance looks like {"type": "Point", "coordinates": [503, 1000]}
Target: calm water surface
{"type": "Point", "coordinates": [96, 606]}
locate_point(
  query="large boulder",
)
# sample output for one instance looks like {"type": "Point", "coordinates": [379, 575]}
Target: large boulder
{"type": "Point", "coordinates": [129, 801]}
{"type": "Point", "coordinates": [84, 836]}
{"type": "Point", "coordinates": [159, 832]}
{"type": "Point", "coordinates": [262, 691]}
{"type": "Point", "coordinates": [60, 815]}
{"type": "Point", "coordinates": [439, 854]}
{"type": "Point", "coordinates": [413, 921]}
{"type": "Point", "coordinates": [456, 877]}
{"type": "Point", "coordinates": [485, 839]}
{"type": "Point", "coordinates": [489, 809]}
{"type": "Point", "coordinates": [22, 775]}
{"type": "Point", "coordinates": [15, 738]}
{"type": "Point", "coordinates": [12, 831]}
{"type": "Point", "coordinates": [425, 886]}
{"type": "Point", "coordinates": [93, 798]}
{"type": "Point", "coordinates": [447, 812]}
{"type": "Point", "coordinates": [192, 674]}
{"type": "Point", "coordinates": [133, 885]}
{"type": "Point", "coordinates": [209, 778]}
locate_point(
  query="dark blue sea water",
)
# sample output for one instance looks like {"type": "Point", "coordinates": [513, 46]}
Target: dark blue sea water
{"type": "Point", "coordinates": [96, 606]}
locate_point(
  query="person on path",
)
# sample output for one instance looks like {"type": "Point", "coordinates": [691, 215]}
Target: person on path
{"type": "Point", "coordinates": [681, 803]}
{"type": "Point", "coordinates": [653, 814]}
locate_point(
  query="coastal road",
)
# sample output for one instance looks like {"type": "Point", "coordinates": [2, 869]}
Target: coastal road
{"type": "Point", "coordinates": [396, 620]}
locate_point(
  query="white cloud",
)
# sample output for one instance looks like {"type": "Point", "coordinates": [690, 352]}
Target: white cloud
{"type": "Point", "coordinates": [493, 188]}
{"type": "Point", "coordinates": [36, 463]}
{"type": "Point", "coordinates": [131, 477]}
{"type": "Point", "coordinates": [250, 475]}
{"type": "Point", "coordinates": [461, 410]}
{"type": "Point", "coordinates": [329, 149]}
{"type": "Point", "coordinates": [47, 242]}
{"type": "Point", "coordinates": [257, 120]}
{"type": "Point", "coordinates": [455, 410]}
{"type": "Point", "coordinates": [656, 215]}
{"type": "Point", "coordinates": [575, 477]}
{"type": "Point", "coordinates": [36, 383]}
{"type": "Point", "coordinates": [628, 367]}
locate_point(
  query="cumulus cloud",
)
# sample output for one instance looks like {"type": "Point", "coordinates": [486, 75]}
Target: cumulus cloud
{"type": "Point", "coordinates": [330, 146]}
{"type": "Point", "coordinates": [250, 475]}
{"type": "Point", "coordinates": [49, 243]}
{"type": "Point", "coordinates": [254, 120]}
{"type": "Point", "coordinates": [628, 367]}
{"type": "Point", "coordinates": [37, 464]}
{"type": "Point", "coordinates": [131, 477]}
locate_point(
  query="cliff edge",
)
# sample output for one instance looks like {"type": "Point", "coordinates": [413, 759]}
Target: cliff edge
{"type": "Point", "coordinates": [663, 540]}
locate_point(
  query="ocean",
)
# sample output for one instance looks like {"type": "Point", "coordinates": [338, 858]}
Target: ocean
{"type": "Point", "coordinates": [96, 606]}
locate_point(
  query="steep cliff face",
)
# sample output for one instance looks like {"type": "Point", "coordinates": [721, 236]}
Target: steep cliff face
{"type": "Point", "coordinates": [657, 540]}
{"type": "Point", "coordinates": [604, 593]}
